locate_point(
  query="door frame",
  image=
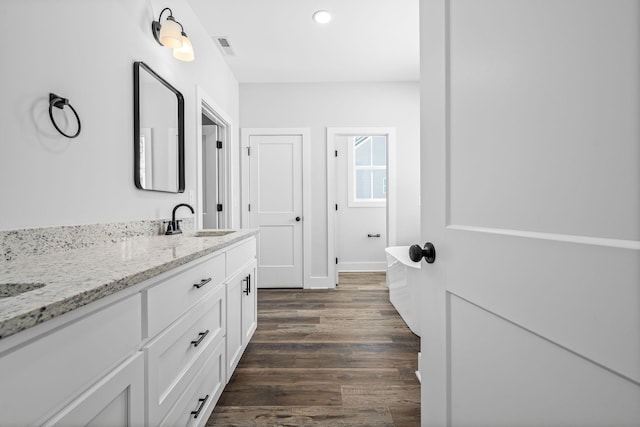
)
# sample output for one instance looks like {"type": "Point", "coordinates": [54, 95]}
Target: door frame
{"type": "Point", "coordinates": [205, 104]}
{"type": "Point", "coordinates": [305, 134]}
{"type": "Point", "coordinates": [332, 133]}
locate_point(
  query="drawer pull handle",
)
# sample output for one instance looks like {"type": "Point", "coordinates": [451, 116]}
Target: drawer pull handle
{"type": "Point", "coordinates": [201, 336]}
{"type": "Point", "coordinates": [202, 283]}
{"type": "Point", "coordinates": [373, 235]}
{"type": "Point", "coordinates": [201, 403]}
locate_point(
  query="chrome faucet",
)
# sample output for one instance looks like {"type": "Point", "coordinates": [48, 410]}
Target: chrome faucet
{"type": "Point", "coordinates": [173, 226]}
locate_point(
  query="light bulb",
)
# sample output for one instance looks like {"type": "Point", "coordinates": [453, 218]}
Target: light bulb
{"type": "Point", "coordinates": [322, 17]}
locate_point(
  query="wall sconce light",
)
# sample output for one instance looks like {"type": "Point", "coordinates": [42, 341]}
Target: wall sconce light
{"type": "Point", "coordinates": [171, 34]}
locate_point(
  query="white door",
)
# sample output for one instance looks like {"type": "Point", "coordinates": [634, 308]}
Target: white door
{"type": "Point", "coordinates": [275, 199]}
{"type": "Point", "coordinates": [531, 196]}
{"type": "Point", "coordinates": [361, 226]}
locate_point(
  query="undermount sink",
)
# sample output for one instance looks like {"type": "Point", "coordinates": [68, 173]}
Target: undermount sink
{"type": "Point", "coordinates": [12, 289]}
{"type": "Point", "coordinates": [213, 233]}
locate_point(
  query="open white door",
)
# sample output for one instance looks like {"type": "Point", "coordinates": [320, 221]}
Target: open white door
{"type": "Point", "coordinates": [210, 170]}
{"type": "Point", "coordinates": [531, 196]}
{"type": "Point", "coordinates": [361, 225]}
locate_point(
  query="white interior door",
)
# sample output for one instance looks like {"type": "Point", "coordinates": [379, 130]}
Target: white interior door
{"type": "Point", "coordinates": [531, 196]}
{"type": "Point", "coordinates": [361, 225]}
{"type": "Point", "coordinates": [275, 198]}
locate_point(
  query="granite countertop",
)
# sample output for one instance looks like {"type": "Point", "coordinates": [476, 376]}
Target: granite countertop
{"type": "Point", "coordinates": [77, 277]}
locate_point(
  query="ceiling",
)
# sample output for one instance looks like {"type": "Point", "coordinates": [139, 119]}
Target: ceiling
{"type": "Point", "coordinates": [277, 41]}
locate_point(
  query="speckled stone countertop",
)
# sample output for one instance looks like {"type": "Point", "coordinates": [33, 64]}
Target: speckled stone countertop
{"type": "Point", "coordinates": [80, 276]}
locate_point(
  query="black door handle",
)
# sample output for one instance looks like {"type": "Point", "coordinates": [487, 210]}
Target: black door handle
{"type": "Point", "coordinates": [298, 218]}
{"type": "Point", "coordinates": [428, 252]}
{"type": "Point", "coordinates": [247, 289]}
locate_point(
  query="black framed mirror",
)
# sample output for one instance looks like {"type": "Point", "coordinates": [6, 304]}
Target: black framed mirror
{"type": "Point", "coordinates": [158, 126]}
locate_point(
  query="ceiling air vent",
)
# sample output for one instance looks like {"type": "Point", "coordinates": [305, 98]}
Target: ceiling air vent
{"type": "Point", "coordinates": [224, 45]}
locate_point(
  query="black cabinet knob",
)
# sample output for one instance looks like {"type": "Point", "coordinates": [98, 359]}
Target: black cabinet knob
{"type": "Point", "coordinates": [298, 218]}
{"type": "Point", "coordinates": [428, 252]}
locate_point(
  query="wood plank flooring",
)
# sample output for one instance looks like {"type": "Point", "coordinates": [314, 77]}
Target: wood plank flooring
{"type": "Point", "coordinates": [339, 357]}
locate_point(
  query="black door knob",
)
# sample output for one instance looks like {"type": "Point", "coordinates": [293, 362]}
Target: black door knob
{"type": "Point", "coordinates": [428, 252]}
{"type": "Point", "coordinates": [298, 218]}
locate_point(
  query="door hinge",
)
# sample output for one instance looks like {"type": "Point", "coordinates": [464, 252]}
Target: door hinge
{"type": "Point", "coordinates": [219, 207]}
{"type": "Point", "coordinates": [336, 153]}
{"type": "Point", "coordinates": [218, 144]}
{"type": "Point", "coordinates": [336, 260]}
{"type": "Point", "coordinates": [249, 207]}
{"type": "Point", "coordinates": [248, 151]}
{"type": "Point", "coordinates": [336, 206]}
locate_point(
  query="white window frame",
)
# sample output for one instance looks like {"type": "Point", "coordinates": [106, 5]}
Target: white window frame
{"type": "Point", "coordinates": [352, 202]}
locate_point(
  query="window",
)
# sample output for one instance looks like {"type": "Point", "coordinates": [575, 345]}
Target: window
{"type": "Point", "coordinates": [367, 171]}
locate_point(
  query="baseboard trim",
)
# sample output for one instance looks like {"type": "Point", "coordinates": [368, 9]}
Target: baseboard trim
{"type": "Point", "coordinates": [319, 282]}
{"type": "Point", "coordinates": [344, 267]}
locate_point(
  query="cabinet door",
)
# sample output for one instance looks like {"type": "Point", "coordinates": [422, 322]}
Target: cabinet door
{"type": "Point", "coordinates": [249, 306]}
{"type": "Point", "coordinates": [46, 375]}
{"type": "Point", "coordinates": [115, 400]}
{"type": "Point", "coordinates": [235, 287]}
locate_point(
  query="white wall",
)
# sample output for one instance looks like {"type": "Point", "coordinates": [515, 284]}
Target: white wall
{"type": "Point", "coordinates": [321, 105]}
{"type": "Point", "coordinates": [84, 51]}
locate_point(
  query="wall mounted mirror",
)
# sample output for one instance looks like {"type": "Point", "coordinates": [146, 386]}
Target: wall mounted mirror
{"type": "Point", "coordinates": [158, 140]}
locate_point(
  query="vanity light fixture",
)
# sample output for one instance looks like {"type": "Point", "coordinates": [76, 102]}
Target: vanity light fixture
{"type": "Point", "coordinates": [171, 34]}
{"type": "Point", "coordinates": [322, 17]}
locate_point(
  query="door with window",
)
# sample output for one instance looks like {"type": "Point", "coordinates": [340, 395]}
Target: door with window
{"type": "Point", "coordinates": [531, 186]}
{"type": "Point", "coordinates": [361, 229]}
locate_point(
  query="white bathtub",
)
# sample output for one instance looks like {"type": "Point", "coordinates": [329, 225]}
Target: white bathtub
{"type": "Point", "coordinates": [403, 280]}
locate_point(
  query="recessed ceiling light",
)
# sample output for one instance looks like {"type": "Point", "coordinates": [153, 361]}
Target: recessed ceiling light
{"type": "Point", "coordinates": [322, 17]}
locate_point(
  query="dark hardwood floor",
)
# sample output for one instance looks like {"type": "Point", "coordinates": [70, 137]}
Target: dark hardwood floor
{"type": "Point", "coordinates": [339, 357]}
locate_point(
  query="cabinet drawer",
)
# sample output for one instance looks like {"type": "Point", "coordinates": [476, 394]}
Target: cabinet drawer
{"type": "Point", "coordinates": [170, 298]}
{"type": "Point", "coordinates": [238, 256]}
{"type": "Point", "coordinates": [175, 350]}
{"type": "Point", "coordinates": [208, 383]}
{"type": "Point", "coordinates": [45, 375]}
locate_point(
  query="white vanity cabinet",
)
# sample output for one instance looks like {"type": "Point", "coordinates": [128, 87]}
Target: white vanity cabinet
{"type": "Point", "coordinates": [153, 354]}
{"type": "Point", "coordinates": [87, 370]}
{"type": "Point", "coordinates": [190, 327]}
